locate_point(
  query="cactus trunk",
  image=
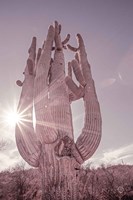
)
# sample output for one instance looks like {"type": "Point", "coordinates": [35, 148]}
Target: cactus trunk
{"type": "Point", "coordinates": [59, 178]}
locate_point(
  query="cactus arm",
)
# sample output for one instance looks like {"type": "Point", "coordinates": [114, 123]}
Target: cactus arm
{"type": "Point", "coordinates": [24, 132]}
{"type": "Point", "coordinates": [75, 92]}
{"type": "Point", "coordinates": [89, 139]}
{"type": "Point", "coordinates": [46, 132]}
{"type": "Point", "coordinates": [60, 107]}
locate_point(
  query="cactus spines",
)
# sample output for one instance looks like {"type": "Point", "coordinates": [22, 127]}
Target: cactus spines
{"type": "Point", "coordinates": [50, 145]}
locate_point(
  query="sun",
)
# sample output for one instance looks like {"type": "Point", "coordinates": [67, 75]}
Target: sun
{"type": "Point", "coordinates": [12, 118]}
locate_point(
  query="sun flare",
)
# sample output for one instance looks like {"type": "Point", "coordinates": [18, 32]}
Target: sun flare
{"type": "Point", "coordinates": [13, 118]}
{"type": "Point", "coordinates": [10, 117]}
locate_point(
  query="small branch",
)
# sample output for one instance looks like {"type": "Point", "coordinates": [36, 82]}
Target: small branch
{"type": "Point", "coordinates": [72, 48]}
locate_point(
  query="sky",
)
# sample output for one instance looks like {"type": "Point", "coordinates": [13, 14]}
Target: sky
{"type": "Point", "coordinates": [107, 29]}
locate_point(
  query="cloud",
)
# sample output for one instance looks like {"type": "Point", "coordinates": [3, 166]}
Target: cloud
{"type": "Point", "coordinates": [9, 157]}
{"type": "Point", "coordinates": [115, 156]}
{"type": "Point", "coordinates": [118, 154]}
{"type": "Point", "coordinates": [7, 161]}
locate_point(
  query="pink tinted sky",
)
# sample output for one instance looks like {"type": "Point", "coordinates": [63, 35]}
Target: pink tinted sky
{"type": "Point", "coordinates": [107, 29]}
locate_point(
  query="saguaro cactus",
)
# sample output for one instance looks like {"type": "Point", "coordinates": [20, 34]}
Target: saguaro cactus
{"type": "Point", "coordinates": [50, 145]}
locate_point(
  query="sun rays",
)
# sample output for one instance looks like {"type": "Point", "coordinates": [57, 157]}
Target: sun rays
{"type": "Point", "coordinates": [12, 118]}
